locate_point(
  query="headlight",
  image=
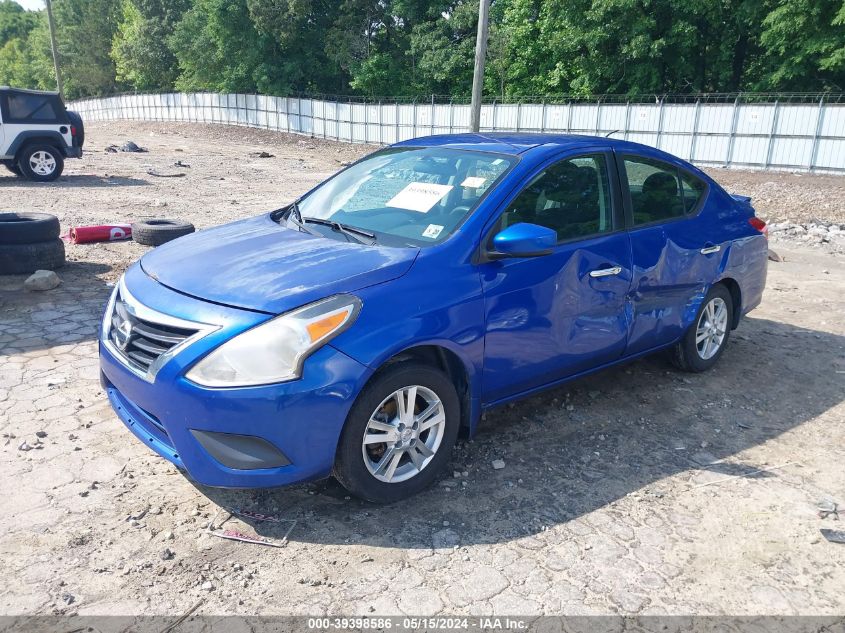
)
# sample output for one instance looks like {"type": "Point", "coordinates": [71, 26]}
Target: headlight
{"type": "Point", "coordinates": [274, 351]}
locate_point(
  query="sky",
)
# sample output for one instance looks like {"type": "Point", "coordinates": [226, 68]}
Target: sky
{"type": "Point", "coordinates": [31, 4]}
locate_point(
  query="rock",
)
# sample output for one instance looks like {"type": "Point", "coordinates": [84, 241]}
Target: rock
{"type": "Point", "coordinates": [774, 257]}
{"type": "Point", "coordinates": [42, 280]}
{"type": "Point", "coordinates": [498, 464]}
{"type": "Point", "coordinates": [68, 598]}
{"type": "Point", "coordinates": [41, 434]}
{"type": "Point", "coordinates": [167, 554]}
{"type": "Point", "coordinates": [207, 586]}
{"type": "Point", "coordinates": [24, 447]}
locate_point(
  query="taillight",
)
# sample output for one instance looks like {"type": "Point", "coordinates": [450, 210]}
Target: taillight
{"type": "Point", "coordinates": [758, 224]}
{"type": "Point", "coordinates": [73, 130]}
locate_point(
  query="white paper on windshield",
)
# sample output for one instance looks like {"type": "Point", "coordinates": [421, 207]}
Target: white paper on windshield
{"type": "Point", "coordinates": [419, 196]}
{"type": "Point", "coordinates": [473, 182]}
{"type": "Point", "coordinates": [433, 231]}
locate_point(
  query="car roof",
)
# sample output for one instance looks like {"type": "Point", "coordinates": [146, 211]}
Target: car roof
{"type": "Point", "coordinates": [50, 93]}
{"type": "Point", "coordinates": [515, 142]}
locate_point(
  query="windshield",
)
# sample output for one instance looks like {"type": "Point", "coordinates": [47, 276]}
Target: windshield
{"type": "Point", "coordinates": [407, 196]}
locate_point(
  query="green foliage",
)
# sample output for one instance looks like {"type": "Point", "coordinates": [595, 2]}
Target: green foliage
{"type": "Point", "coordinates": [140, 48]}
{"type": "Point", "coordinates": [424, 47]}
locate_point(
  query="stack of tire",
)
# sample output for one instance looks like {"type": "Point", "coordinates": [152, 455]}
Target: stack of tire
{"type": "Point", "coordinates": [29, 242]}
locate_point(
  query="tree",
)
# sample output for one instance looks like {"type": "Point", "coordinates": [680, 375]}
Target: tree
{"type": "Point", "coordinates": [804, 44]}
{"type": "Point", "coordinates": [140, 48]}
{"type": "Point", "coordinates": [218, 47]}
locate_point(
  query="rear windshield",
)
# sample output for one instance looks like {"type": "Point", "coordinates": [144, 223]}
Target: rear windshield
{"type": "Point", "coordinates": [408, 196]}
{"type": "Point", "coordinates": [29, 108]}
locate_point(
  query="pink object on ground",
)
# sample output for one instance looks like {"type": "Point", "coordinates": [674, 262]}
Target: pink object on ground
{"type": "Point", "coordinates": [101, 233]}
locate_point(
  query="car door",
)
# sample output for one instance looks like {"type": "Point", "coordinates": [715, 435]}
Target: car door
{"type": "Point", "coordinates": [556, 315]}
{"type": "Point", "coordinates": [676, 248]}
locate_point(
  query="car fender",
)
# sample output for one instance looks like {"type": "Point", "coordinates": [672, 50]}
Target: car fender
{"type": "Point", "coordinates": [50, 137]}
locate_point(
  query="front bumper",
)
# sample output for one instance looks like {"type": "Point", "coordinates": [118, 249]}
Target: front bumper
{"type": "Point", "coordinates": [301, 420]}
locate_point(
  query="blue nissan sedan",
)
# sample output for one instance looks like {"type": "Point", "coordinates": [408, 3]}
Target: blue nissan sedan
{"type": "Point", "coordinates": [359, 330]}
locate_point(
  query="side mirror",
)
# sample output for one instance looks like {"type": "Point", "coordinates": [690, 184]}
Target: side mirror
{"type": "Point", "coordinates": [523, 240]}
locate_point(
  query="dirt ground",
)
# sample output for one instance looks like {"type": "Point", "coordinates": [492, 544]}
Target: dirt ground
{"type": "Point", "coordinates": [640, 490]}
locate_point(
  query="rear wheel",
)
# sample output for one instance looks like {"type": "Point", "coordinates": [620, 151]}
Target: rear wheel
{"type": "Point", "coordinates": [12, 166]}
{"type": "Point", "coordinates": [41, 163]}
{"type": "Point", "coordinates": [399, 434]}
{"type": "Point", "coordinates": [705, 341]}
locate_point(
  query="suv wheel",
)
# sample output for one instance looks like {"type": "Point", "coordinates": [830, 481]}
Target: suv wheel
{"type": "Point", "coordinates": [399, 434]}
{"type": "Point", "coordinates": [41, 163]}
{"type": "Point", "coordinates": [12, 166]}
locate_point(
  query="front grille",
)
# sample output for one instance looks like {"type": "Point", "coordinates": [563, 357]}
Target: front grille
{"type": "Point", "coordinates": [141, 341]}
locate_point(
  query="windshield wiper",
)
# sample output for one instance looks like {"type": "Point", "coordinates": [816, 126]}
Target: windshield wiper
{"type": "Point", "coordinates": [350, 231]}
{"type": "Point", "coordinates": [295, 216]}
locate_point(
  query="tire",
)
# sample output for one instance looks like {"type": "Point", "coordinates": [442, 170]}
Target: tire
{"type": "Point", "coordinates": [410, 476]}
{"type": "Point", "coordinates": [12, 166]}
{"type": "Point", "coordinates": [26, 228]}
{"type": "Point", "coordinates": [76, 121]}
{"type": "Point", "coordinates": [16, 259]}
{"type": "Point", "coordinates": [688, 355]}
{"type": "Point", "coordinates": [158, 232]}
{"type": "Point", "coordinates": [41, 163]}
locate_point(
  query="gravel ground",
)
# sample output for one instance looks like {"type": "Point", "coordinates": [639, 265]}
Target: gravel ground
{"type": "Point", "coordinates": [638, 491]}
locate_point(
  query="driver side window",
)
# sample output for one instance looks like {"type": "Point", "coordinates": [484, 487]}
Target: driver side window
{"type": "Point", "coordinates": [571, 197]}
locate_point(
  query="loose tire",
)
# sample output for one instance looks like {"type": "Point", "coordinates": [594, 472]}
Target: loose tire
{"type": "Point", "coordinates": [158, 232]}
{"type": "Point", "coordinates": [705, 341]}
{"type": "Point", "coordinates": [25, 228]}
{"type": "Point", "coordinates": [41, 163]}
{"type": "Point", "coordinates": [381, 426]}
{"type": "Point", "coordinates": [16, 259]}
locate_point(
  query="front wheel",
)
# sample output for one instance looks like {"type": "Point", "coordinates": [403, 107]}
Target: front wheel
{"type": "Point", "coordinates": [706, 339]}
{"type": "Point", "coordinates": [41, 163]}
{"type": "Point", "coordinates": [399, 434]}
{"type": "Point", "coordinates": [12, 166]}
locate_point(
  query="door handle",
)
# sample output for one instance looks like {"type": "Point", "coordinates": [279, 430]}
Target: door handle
{"type": "Point", "coordinates": [710, 249]}
{"type": "Point", "coordinates": [606, 272]}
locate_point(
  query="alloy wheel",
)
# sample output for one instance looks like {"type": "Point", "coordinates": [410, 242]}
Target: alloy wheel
{"type": "Point", "coordinates": [711, 329]}
{"type": "Point", "coordinates": [403, 434]}
{"type": "Point", "coordinates": [42, 163]}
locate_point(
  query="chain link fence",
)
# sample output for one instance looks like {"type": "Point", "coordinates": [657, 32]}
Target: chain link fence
{"type": "Point", "coordinates": [796, 131]}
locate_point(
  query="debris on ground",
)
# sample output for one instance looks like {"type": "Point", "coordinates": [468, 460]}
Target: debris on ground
{"type": "Point", "coordinates": [262, 155]}
{"type": "Point", "coordinates": [133, 148]}
{"type": "Point", "coordinates": [158, 174]}
{"type": "Point", "coordinates": [828, 508]}
{"type": "Point", "coordinates": [774, 257]}
{"type": "Point", "coordinates": [180, 163]}
{"type": "Point", "coordinates": [128, 147]}
{"type": "Point", "coordinates": [100, 233]}
{"type": "Point", "coordinates": [216, 529]}
{"type": "Point", "coordinates": [498, 464]}
{"type": "Point", "coordinates": [42, 280]}
{"type": "Point", "coordinates": [834, 536]}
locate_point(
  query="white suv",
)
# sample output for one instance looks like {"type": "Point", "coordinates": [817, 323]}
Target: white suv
{"type": "Point", "coordinates": [37, 133]}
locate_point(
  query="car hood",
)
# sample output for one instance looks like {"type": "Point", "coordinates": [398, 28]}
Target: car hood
{"type": "Point", "coordinates": [257, 264]}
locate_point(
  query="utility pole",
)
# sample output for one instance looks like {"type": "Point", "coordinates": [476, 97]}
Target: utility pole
{"type": "Point", "coordinates": [53, 45]}
{"type": "Point", "coordinates": [480, 57]}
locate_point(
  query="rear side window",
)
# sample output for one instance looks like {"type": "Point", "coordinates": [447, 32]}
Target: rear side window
{"type": "Point", "coordinates": [36, 108]}
{"type": "Point", "coordinates": [656, 193]}
{"type": "Point", "coordinates": [571, 197]}
{"type": "Point", "coordinates": [693, 191]}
